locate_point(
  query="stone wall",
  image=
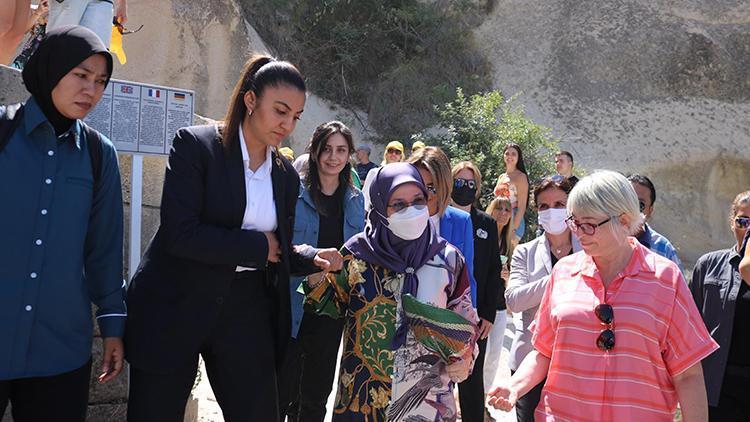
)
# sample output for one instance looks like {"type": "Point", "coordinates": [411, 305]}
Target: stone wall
{"type": "Point", "coordinates": [659, 87]}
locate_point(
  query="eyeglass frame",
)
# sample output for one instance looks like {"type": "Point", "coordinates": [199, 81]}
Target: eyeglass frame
{"type": "Point", "coordinates": [394, 151]}
{"type": "Point", "coordinates": [400, 205]}
{"type": "Point", "coordinates": [459, 182]}
{"type": "Point", "coordinates": [574, 226]}
{"type": "Point", "coordinates": [606, 339]}
{"type": "Point", "coordinates": [745, 225]}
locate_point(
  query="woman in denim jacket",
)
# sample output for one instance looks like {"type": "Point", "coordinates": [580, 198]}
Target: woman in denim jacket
{"type": "Point", "coordinates": [330, 210]}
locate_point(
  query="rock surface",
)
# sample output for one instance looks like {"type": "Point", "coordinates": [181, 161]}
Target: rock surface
{"type": "Point", "coordinates": [660, 88]}
{"type": "Point", "coordinates": [11, 86]}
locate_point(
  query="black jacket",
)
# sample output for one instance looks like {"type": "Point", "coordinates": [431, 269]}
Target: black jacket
{"type": "Point", "coordinates": [190, 263]}
{"type": "Point", "coordinates": [487, 265]}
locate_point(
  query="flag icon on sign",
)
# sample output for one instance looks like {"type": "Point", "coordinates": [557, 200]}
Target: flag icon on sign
{"type": "Point", "coordinates": [179, 96]}
{"type": "Point", "coordinates": [126, 89]}
{"type": "Point", "coordinates": [154, 93]}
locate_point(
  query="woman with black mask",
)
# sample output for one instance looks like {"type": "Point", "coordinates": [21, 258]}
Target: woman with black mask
{"type": "Point", "coordinates": [467, 182]}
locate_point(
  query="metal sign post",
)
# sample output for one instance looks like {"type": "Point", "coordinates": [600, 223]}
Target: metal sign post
{"type": "Point", "coordinates": [136, 200]}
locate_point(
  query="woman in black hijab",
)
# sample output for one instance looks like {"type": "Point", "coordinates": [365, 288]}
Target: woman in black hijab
{"type": "Point", "coordinates": [62, 50]}
{"type": "Point", "coordinates": [61, 242]}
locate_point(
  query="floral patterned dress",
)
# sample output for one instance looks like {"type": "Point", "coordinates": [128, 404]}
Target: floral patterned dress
{"type": "Point", "coordinates": [377, 383]}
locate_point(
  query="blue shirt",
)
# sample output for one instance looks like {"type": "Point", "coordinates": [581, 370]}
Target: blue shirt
{"type": "Point", "coordinates": [306, 226]}
{"type": "Point", "coordinates": [457, 229]}
{"type": "Point", "coordinates": [660, 245]}
{"type": "Point", "coordinates": [60, 249]}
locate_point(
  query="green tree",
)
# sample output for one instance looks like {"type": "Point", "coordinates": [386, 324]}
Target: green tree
{"type": "Point", "coordinates": [393, 59]}
{"type": "Point", "coordinates": [477, 128]}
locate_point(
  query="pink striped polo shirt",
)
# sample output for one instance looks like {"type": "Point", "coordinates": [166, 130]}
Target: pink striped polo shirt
{"type": "Point", "coordinates": [658, 334]}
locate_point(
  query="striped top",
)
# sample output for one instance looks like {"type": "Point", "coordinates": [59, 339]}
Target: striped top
{"type": "Point", "coordinates": [658, 334]}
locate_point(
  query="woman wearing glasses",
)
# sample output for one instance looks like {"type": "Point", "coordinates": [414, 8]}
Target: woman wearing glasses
{"type": "Point", "coordinates": [386, 372]}
{"type": "Point", "coordinates": [616, 334]}
{"type": "Point", "coordinates": [724, 301]}
{"type": "Point", "coordinates": [467, 184]}
{"type": "Point", "coordinates": [531, 266]}
{"type": "Point", "coordinates": [394, 153]}
{"type": "Point", "coordinates": [501, 211]}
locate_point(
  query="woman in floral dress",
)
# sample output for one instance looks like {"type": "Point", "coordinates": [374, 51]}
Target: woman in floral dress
{"type": "Point", "coordinates": [386, 373]}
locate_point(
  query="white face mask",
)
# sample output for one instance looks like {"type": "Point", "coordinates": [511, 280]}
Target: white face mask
{"type": "Point", "coordinates": [409, 223]}
{"type": "Point", "coordinates": [552, 220]}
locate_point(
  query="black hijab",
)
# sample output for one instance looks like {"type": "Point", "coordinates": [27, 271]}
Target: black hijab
{"type": "Point", "coordinates": [62, 49]}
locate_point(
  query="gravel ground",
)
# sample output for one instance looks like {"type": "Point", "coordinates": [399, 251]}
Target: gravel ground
{"type": "Point", "coordinates": [209, 411]}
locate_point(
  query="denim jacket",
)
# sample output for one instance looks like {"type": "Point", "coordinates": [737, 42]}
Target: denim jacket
{"type": "Point", "coordinates": [306, 224]}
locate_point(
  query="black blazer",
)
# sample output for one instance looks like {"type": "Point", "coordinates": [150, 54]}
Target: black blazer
{"type": "Point", "coordinates": [190, 263]}
{"type": "Point", "coordinates": [487, 264]}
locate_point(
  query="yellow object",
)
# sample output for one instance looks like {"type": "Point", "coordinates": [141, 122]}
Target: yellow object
{"type": "Point", "coordinates": [115, 45]}
{"type": "Point", "coordinates": [395, 145]}
{"type": "Point", "coordinates": [287, 152]}
{"type": "Point", "coordinates": [417, 145]}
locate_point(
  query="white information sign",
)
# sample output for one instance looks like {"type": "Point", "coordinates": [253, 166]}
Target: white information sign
{"type": "Point", "coordinates": [142, 118]}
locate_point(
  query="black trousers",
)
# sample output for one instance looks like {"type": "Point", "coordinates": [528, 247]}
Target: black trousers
{"type": "Point", "coordinates": [733, 403]}
{"type": "Point", "coordinates": [526, 405]}
{"type": "Point", "coordinates": [312, 367]}
{"type": "Point", "coordinates": [471, 390]}
{"type": "Point", "coordinates": [240, 363]}
{"type": "Point", "coordinates": [63, 397]}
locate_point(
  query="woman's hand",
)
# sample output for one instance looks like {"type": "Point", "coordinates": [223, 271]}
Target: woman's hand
{"type": "Point", "coordinates": [274, 250]}
{"type": "Point", "coordinates": [503, 398]}
{"type": "Point", "coordinates": [329, 259]}
{"type": "Point", "coordinates": [484, 328]}
{"type": "Point", "coordinates": [121, 11]}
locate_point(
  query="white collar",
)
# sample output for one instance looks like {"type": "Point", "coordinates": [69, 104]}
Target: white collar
{"type": "Point", "coordinates": [264, 168]}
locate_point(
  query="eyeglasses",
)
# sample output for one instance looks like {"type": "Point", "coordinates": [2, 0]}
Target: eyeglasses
{"type": "Point", "coordinates": [742, 222]}
{"type": "Point", "coordinates": [400, 205]}
{"type": "Point", "coordinates": [606, 315]}
{"type": "Point", "coordinates": [459, 183]}
{"type": "Point", "coordinates": [641, 205]}
{"type": "Point", "coordinates": [586, 228]}
{"type": "Point", "coordinates": [394, 151]}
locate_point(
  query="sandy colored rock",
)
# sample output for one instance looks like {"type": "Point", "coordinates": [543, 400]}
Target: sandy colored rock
{"type": "Point", "coordinates": [13, 90]}
{"type": "Point", "coordinates": [116, 412]}
{"type": "Point", "coordinates": [655, 87]}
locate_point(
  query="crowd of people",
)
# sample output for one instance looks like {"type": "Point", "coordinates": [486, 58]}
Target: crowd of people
{"type": "Point", "coordinates": [264, 268]}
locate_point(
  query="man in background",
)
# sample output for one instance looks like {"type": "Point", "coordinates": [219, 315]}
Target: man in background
{"type": "Point", "coordinates": [648, 237]}
{"type": "Point", "coordinates": [364, 164]}
{"type": "Point", "coordinates": [564, 166]}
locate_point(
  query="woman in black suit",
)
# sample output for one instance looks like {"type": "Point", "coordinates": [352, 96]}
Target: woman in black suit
{"type": "Point", "coordinates": [214, 279]}
{"type": "Point", "coordinates": [467, 183]}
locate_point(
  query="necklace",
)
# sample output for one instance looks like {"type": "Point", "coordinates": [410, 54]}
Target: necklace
{"type": "Point", "coordinates": [558, 251]}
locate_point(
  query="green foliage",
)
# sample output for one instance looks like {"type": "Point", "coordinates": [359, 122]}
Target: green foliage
{"type": "Point", "coordinates": [478, 128]}
{"type": "Point", "coordinates": [391, 58]}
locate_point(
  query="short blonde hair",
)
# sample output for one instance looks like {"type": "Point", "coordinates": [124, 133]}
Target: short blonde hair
{"type": "Point", "coordinates": [474, 169]}
{"type": "Point", "coordinates": [434, 160]}
{"type": "Point", "coordinates": [606, 193]}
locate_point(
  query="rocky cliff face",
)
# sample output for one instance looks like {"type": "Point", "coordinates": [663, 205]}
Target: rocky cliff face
{"type": "Point", "coordinates": [659, 87]}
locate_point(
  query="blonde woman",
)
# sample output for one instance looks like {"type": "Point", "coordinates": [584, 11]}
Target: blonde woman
{"type": "Point", "coordinates": [617, 333]}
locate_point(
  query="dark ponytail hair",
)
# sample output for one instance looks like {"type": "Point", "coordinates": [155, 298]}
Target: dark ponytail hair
{"type": "Point", "coordinates": [519, 165]}
{"type": "Point", "coordinates": [258, 73]}
{"type": "Point", "coordinates": [318, 143]}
